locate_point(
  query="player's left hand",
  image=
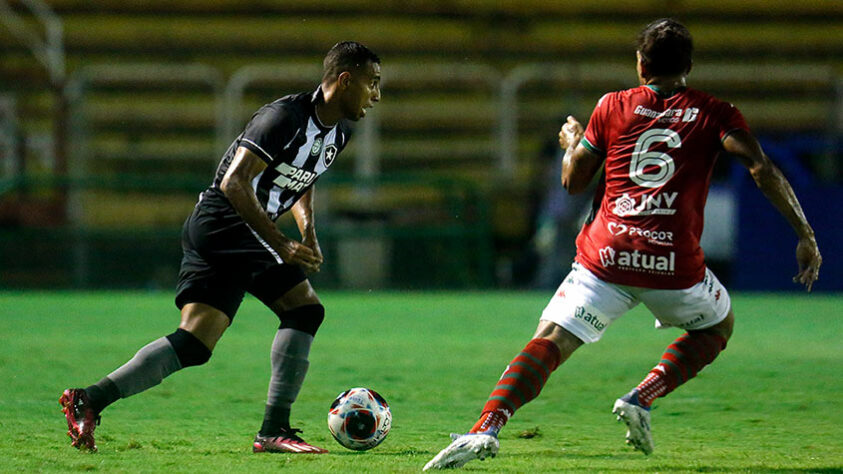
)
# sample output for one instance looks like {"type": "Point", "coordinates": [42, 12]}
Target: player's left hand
{"type": "Point", "coordinates": [571, 133]}
{"type": "Point", "coordinates": [809, 259]}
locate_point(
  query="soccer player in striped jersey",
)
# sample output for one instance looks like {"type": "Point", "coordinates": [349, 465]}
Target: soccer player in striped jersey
{"type": "Point", "coordinates": [232, 246]}
{"type": "Point", "coordinates": [656, 145]}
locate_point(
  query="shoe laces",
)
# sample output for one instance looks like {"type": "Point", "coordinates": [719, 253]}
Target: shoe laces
{"type": "Point", "coordinates": [632, 398]}
{"type": "Point", "coordinates": [80, 408]}
{"type": "Point", "coordinates": [290, 433]}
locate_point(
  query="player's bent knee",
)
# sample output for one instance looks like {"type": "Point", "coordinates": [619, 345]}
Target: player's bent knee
{"type": "Point", "coordinates": [189, 349]}
{"type": "Point", "coordinates": [724, 328]}
{"type": "Point", "coordinates": [305, 318]}
{"type": "Point", "coordinates": [566, 341]}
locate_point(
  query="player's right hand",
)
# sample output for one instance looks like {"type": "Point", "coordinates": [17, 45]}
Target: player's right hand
{"type": "Point", "coordinates": [809, 259]}
{"type": "Point", "coordinates": [571, 133]}
{"type": "Point", "coordinates": [296, 253]}
{"type": "Point", "coordinates": [313, 244]}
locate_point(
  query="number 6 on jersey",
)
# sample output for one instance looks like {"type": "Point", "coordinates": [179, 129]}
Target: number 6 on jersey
{"type": "Point", "coordinates": [642, 157]}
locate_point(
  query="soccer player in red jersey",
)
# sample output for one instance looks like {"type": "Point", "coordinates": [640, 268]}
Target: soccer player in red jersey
{"type": "Point", "coordinates": [657, 144]}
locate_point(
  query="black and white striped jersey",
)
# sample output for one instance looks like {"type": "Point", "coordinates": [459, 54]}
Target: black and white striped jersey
{"type": "Point", "coordinates": [296, 147]}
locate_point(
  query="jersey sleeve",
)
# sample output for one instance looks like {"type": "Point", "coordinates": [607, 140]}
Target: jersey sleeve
{"type": "Point", "coordinates": [270, 130]}
{"type": "Point", "coordinates": [729, 119]}
{"type": "Point", "coordinates": [596, 132]}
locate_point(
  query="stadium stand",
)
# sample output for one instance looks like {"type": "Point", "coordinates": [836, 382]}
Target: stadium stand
{"type": "Point", "coordinates": [126, 119]}
{"type": "Point", "coordinates": [229, 34]}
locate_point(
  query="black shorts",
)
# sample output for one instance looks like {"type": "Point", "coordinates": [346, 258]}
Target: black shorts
{"type": "Point", "coordinates": [223, 259]}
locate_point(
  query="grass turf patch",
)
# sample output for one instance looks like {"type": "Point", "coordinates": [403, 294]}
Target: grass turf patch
{"type": "Point", "coordinates": [769, 403]}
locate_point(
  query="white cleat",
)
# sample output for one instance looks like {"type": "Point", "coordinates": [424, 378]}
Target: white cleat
{"type": "Point", "coordinates": [464, 448]}
{"type": "Point", "coordinates": [637, 421]}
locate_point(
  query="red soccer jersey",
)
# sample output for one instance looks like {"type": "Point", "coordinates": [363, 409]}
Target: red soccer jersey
{"type": "Point", "coordinates": [660, 153]}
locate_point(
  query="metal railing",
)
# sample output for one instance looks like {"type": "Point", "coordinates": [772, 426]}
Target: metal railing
{"type": "Point", "coordinates": [135, 75]}
{"type": "Point", "coordinates": [721, 75]}
{"type": "Point", "coordinates": [513, 99]}
{"type": "Point", "coordinates": [131, 76]}
{"type": "Point", "coordinates": [9, 145]}
{"type": "Point", "coordinates": [49, 49]}
{"type": "Point", "coordinates": [505, 92]}
{"type": "Point", "coordinates": [368, 160]}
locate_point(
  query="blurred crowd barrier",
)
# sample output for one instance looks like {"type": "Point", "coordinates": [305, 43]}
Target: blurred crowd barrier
{"type": "Point", "coordinates": [409, 232]}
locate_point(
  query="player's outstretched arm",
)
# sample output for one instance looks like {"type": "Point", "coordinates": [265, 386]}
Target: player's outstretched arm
{"type": "Point", "coordinates": [579, 165]}
{"type": "Point", "coordinates": [303, 214]}
{"type": "Point", "coordinates": [237, 187]}
{"type": "Point", "coordinates": [777, 189]}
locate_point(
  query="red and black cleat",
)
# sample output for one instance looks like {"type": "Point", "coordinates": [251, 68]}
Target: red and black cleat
{"type": "Point", "coordinates": [286, 442]}
{"type": "Point", "coordinates": [81, 420]}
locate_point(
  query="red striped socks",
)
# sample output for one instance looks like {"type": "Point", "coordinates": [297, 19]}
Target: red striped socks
{"type": "Point", "coordinates": [682, 360]}
{"type": "Point", "coordinates": [521, 382]}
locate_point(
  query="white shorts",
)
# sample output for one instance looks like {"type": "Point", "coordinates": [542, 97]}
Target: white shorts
{"type": "Point", "coordinates": [586, 305]}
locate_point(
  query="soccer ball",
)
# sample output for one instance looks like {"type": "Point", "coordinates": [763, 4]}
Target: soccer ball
{"type": "Point", "coordinates": [359, 419]}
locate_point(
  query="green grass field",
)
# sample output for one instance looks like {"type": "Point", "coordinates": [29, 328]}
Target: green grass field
{"type": "Point", "coordinates": [771, 402]}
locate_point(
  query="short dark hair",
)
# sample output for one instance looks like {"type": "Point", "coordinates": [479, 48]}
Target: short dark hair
{"type": "Point", "coordinates": [347, 56]}
{"type": "Point", "coordinates": [666, 47]}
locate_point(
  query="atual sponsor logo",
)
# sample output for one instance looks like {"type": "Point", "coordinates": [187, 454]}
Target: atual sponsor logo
{"type": "Point", "coordinates": [590, 318]}
{"type": "Point", "coordinates": [637, 260]}
{"type": "Point", "coordinates": [649, 205]}
{"type": "Point", "coordinates": [658, 237]}
{"type": "Point", "coordinates": [607, 256]}
{"type": "Point", "coordinates": [692, 322]}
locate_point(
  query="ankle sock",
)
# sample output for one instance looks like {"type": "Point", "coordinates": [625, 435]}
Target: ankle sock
{"type": "Point", "coordinates": [681, 361]}
{"type": "Point", "coordinates": [520, 383]}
